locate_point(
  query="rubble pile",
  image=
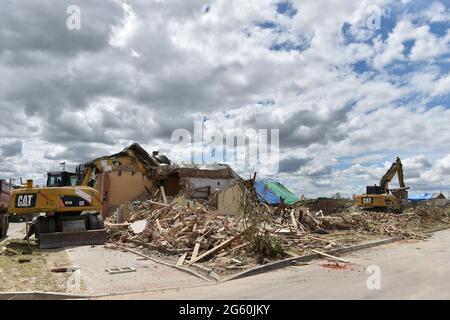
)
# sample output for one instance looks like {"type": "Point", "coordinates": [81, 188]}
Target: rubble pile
{"type": "Point", "coordinates": [194, 232]}
{"type": "Point", "coordinates": [166, 227]}
{"type": "Point", "coordinates": [408, 225]}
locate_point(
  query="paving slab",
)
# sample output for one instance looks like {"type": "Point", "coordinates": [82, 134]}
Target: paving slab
{"type": "Point", "coordinates": [149, 275]}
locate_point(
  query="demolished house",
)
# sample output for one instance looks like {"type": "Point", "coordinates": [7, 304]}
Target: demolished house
{"type": "Point", "coordinates": [133, 174]}
{"type": "Point", "coordinates": [207, 214]}
{"type": "Point", "coordinates": [199, 181]}
{"type": "Point", "coordinates": [125, 176]}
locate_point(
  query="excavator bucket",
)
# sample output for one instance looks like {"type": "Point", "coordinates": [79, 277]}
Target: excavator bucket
{"type": "Point", "coordinates": [67, 239]}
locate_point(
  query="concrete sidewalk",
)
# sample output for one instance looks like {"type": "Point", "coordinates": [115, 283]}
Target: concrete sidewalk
{"type": "Point", "coordinates": [149, 275]}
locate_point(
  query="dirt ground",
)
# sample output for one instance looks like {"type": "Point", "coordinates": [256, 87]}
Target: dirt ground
{"type": "Point", "coordinates": [24, 268]}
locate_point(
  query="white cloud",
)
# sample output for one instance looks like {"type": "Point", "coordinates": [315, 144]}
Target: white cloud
{"type": "Point", "coordinates": [141, 70]}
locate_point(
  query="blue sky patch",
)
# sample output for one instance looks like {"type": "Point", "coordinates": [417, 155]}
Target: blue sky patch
{"type": "Point", "coordinates": [288, 46]}
{"type": "Point", "coordinates": [361, 67]}
{"type": "Point", "coordinates": [440, 101]}
{"type": "Point", "coordinates": [439, 28]}
{"type": "Point", "coordinates": [407, 46]}
{"type": "Point", "coordinates": [287, 8]}
{"type": "Point", "coordinates": [267, 25]}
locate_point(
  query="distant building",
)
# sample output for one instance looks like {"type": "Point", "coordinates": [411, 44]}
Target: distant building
{"type": "Point", "coordinates": [439, 199]}
{"type": "Point", "coordinates": [429, 199]}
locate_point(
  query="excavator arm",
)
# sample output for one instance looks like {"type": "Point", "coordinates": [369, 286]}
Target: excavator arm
{"type": "Point", "coordinates": [396, 168]}
{"type": "Point", "coordinates": [86, 173]}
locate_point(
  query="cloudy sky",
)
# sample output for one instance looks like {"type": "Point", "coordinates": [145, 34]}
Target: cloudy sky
{"type": "Point", "coordinates": [348, 95]}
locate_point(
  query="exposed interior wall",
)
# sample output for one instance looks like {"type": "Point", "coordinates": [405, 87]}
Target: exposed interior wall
{"type": "Point", "coordinates": [172, 185]}
{"type": "Point", "coordinates": [203, 187]}
{"type": "Point", "coordinates": [229, 201]}
{"type": "Point", "coordinates": [199, 187]}
{"type": "Point", "coordinates": [118, 187]}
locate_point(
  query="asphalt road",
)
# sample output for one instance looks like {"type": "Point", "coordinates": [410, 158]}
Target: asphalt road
{"type": "Point", "coordinates": [408, 270]}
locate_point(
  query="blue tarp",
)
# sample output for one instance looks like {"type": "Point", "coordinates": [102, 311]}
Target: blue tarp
{"type": "Point", "coordinates": [265, 194]}
{"type": "Point", "coordinates": [420, 197]}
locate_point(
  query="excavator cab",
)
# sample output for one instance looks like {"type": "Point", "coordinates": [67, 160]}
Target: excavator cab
{"type": "Point", "coordinates": [62, 179]}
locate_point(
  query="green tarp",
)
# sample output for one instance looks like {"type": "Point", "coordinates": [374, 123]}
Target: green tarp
{"type": "Point", "coordinates": [279, 190]}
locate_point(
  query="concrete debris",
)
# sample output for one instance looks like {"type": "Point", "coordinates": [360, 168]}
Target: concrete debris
{"type": "Point", "coordinates": [139, 226]}
{"type": "Point", "coordinates": [119, 270]}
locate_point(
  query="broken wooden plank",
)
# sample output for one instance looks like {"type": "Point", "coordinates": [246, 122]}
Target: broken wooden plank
{"type": "Point", "coordinates": [159, 203]}
{"type": "Point", "coordinates": [312, 218]}
{"type": "Point", "coordinates": [294, 221]}
{"type": "Point", "coordinates": [329, 256]}
{"type": "Point", "coordinates": [217, 248]}
{"type": "Point", "coordinates": [158, 225]}
{"type": "Point", "coordinates": [321, 239]}
{"type": "Point", "coordinates": [195, 252]}
{"type": "Point", "coordinates": [117, 225]}
{"type": "Point", "coordinates": [181, 260]}
{"type": "Point", "coordinates": [163, 194]}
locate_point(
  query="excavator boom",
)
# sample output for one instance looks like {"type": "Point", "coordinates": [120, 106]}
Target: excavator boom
{"type": "Point", "coordinates": [396, 168]}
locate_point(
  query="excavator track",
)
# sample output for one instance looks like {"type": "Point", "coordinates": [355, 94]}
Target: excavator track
{"type": "Point", "coordinates": [68, 239]}
{"type": "Point", "coordinates": [69, 230]}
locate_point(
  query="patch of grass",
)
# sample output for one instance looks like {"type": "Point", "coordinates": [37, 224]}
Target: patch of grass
{"type": "Point", "coordinates": [266, 246]}
{"type": "Point", "coordinates": [20, 247]}
{"type": "Point", "coordinates": [26, 268]}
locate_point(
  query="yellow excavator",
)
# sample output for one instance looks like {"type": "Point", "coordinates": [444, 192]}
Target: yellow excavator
{"type": "Point", "coordinates": [63, 213]}
{"type": "Point", "coordinates": [381, 198]}
{"type": "Point", "coordinates": [68, 211]}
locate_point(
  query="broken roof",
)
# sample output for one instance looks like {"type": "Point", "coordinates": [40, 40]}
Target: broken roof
{"type": "Point", "coordinates": [211, 171]}
{"type": "Point", "coordinates": [420, 197]}
{"type": "Point", "coordinates": [140, 154]}
{"type": "Point", "coordinates": [426, 196]}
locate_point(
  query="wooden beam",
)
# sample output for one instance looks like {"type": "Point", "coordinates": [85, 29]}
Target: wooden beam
{"type": "Point", "coordinates": [158, 225]}
{"type": "Point", "coordinates": [195, 252]}
{"type": "Point", "coordinates": [330, 256]}
{"type": "Point", "coordinates": [163, 193]}
{"type": "Point", "coordinates": [181, 260]}
{"type": "Point", "coordinates": [217, 248]}
{"type": "Point", "coordinates": [294, 221]}
{"type": "Point", "coordinates": [159, 203]}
